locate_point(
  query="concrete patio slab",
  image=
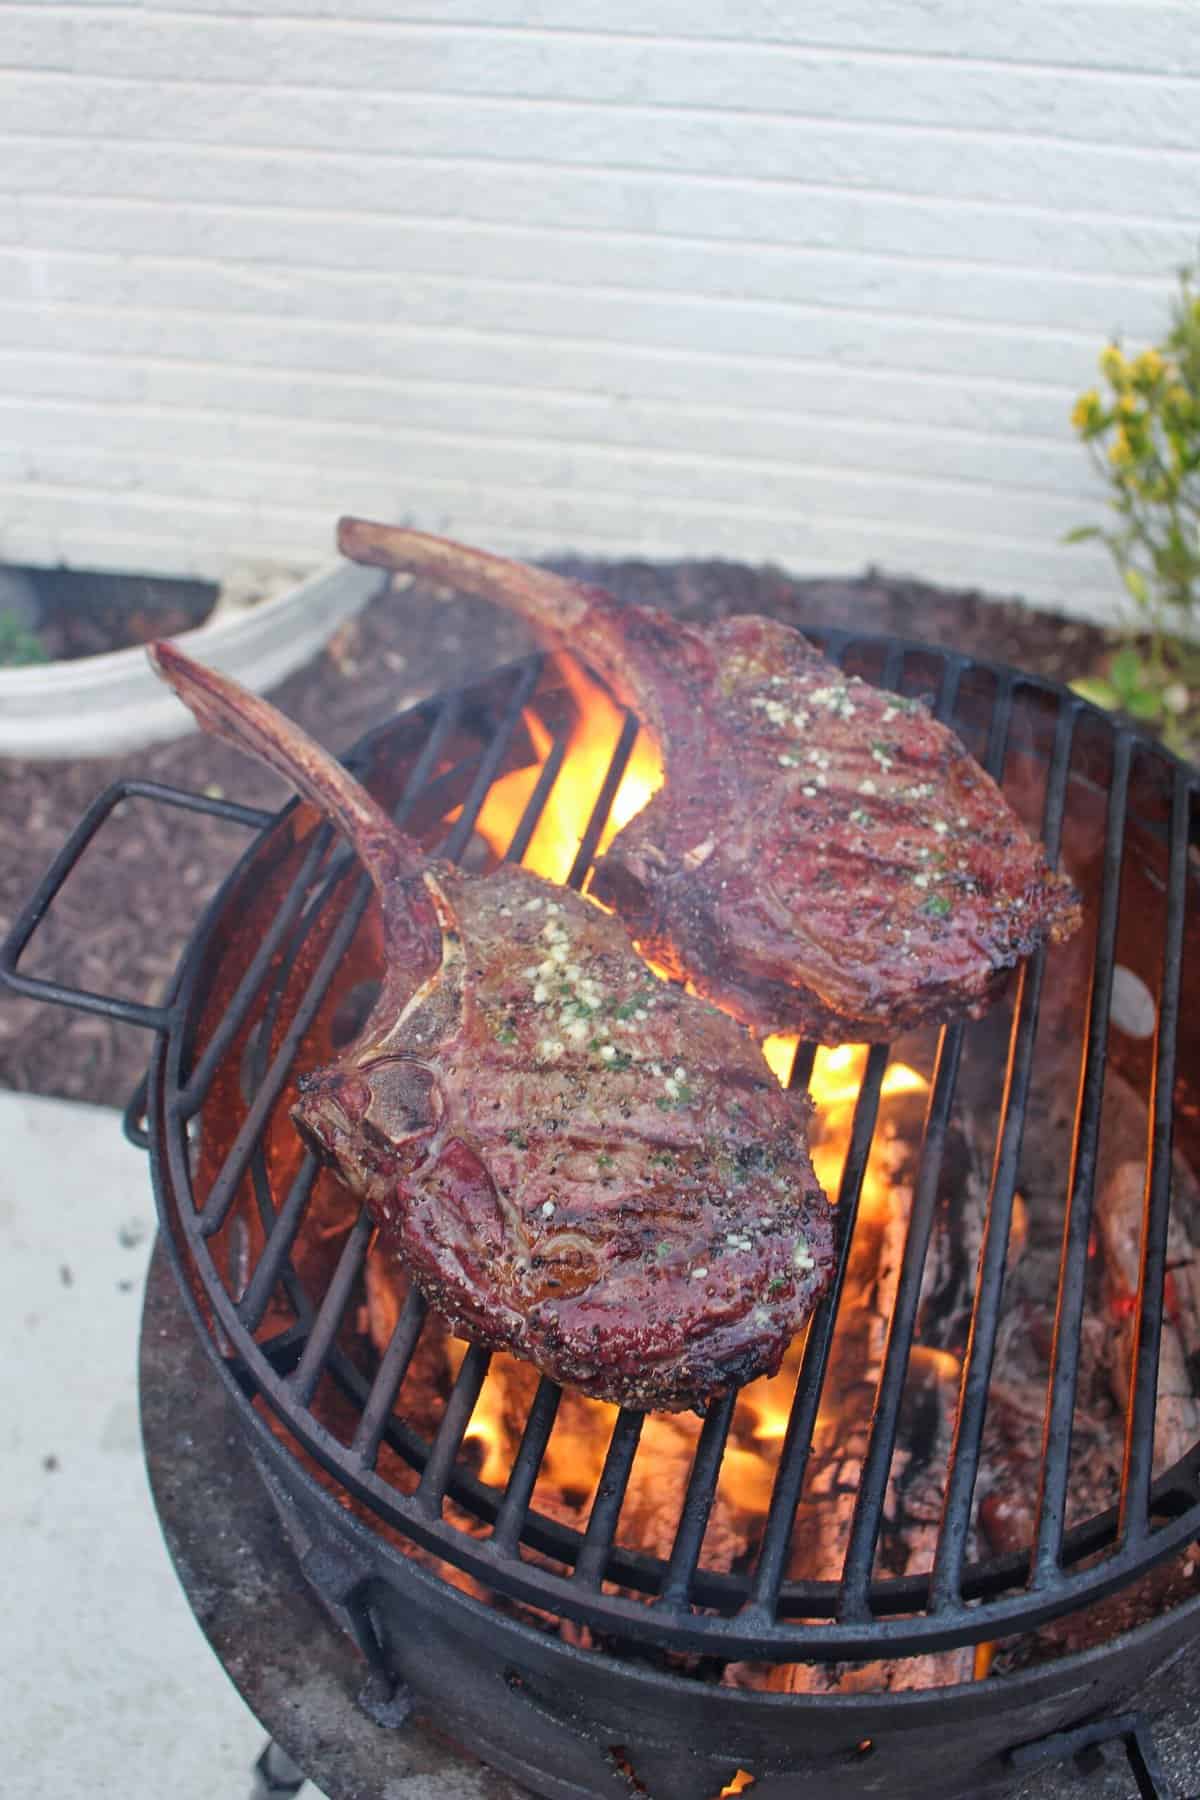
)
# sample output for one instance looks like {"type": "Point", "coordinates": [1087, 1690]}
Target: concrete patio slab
{"type": "Point", "coordinates": [110, 1691]}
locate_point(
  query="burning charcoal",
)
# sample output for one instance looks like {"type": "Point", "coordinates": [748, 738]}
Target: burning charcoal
{"type": "Point", "coordinates": [825, 857]}
{"type": "Point", "coordinates": [572, 1160]}
{"type": "Point", "coordinates": [1119, 1231]}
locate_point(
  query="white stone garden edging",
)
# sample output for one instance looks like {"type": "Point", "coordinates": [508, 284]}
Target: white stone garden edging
{"type": "Point", "coordinates": [100, 705]}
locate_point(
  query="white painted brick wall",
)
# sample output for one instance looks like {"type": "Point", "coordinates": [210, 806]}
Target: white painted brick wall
{"type": "Point", "coordinates": [740, 277]}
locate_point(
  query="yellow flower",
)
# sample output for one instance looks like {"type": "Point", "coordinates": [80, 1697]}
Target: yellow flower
{"type": "Point", "coordinates": [1127, 406]}
{"type": "Point", "coordinates": [1085, 411]}
{"type": "Point", "coordinates": [1177, 404]}
{"type": "Point", "coordinates": [1120, 451]}
{"type": "Point", "coordinates": [1148, 367]}
{"type": "Point", "coordinates": [1113, 366]}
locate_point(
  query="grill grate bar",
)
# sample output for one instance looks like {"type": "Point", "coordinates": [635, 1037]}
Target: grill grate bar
{"type": "Point", "coordinates": [392, 1369]}
{"type": "Point", "coordinates": [254, 1301]}
{"type": "Point", "coordinates": [1139, 1440]}
{"type": "Point", "coordinates": [893, 666]}
{"type": "Point", "coordinates": [946, 1586]}
{"type": "Point", "coordinates": [802, 1068]}
{"type": "Point", "coordinates": [697, 1503]}
{"type": "Point", "coordinates": [298, 1297]}
{"type": "Point", "coordinates": [948, 688]}
{"type": "Point", "coordinates": [514, 1508]}
{"type": "Point", "coordinates": [537, 802]}
{"type": "Point", "coordinates": [1064, 1362]}
{"type": "Point", "coordinates": [855, 1602]}
{"type": "Point", "coordinates": [998, 729]}
{"type": "Point", "coordinates": [232, 1019]}
{"type": "Point", "coordinates": [604, 800]}
{"type": "Point", "coordinates": [460, 834]}
{"type": "Point", "coordinates": [224, 1188]}
{"type": "Point", "coordinates": [450, 1433]}
{"type": "Point", "coordinates": [793, 1461]}
{"type": "Point", "coordinates": [329, 1317]}
{"type": "Point", "coordinates": [610, 1496]}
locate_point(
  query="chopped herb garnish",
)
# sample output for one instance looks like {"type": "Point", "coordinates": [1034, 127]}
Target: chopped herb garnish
{"type": "Point", "coordinates": [517, 1137]}
{"type": "Point", "coordinates": [937, 906]}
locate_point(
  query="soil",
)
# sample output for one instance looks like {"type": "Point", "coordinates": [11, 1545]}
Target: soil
{"type": "Point", "coordinates": [121, 921]}
{"type": "Point", "coordinates": [84, 613]}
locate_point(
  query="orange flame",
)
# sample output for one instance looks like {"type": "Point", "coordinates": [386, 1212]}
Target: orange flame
{"type": "Point", "coordinates": [837, 1076]}
{"type": "Point", "coordinates": [487, 1426]}
{"type": "Point", "coordinates": [569, 804]}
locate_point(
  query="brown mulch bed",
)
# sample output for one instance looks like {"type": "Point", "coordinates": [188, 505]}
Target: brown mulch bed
{"type": "Point", "coordinates": [84, 613]}
{"type": "Point", "coordinates": [120, 923]}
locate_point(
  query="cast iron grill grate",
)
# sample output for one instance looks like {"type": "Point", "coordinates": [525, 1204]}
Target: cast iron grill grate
{"type": "Point", "coordinates": [447, 754]}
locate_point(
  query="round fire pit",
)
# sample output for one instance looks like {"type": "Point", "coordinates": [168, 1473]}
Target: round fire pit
{"type": "Point", "coordinates": [955, 1523]}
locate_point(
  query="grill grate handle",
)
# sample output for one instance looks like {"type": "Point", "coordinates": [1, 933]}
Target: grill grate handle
{"type": "Point", "coordinates": [109, 1006]}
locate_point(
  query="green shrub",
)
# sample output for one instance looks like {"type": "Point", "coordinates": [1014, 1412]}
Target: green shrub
{"type": "Point", "coordinates": [1143, 436]}
{"type": "Point", "coordinates": [19, 645]}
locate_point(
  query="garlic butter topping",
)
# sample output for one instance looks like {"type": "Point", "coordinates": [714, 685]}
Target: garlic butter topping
{"type": "Point", "coordinates": [583, 1012]}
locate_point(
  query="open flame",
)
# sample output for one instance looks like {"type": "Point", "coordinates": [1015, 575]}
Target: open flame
{"type": "Point", "coordinates": [593, 739]}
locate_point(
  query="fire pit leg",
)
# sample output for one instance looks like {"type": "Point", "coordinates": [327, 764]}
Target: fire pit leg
{"type": "Point", "coordinates": [275, 1773]}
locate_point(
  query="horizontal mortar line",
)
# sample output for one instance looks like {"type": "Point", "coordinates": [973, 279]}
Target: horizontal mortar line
{"type": "Point", "coordinates": [39, 488]}
{"type": "Point", "coordinates": [617, 452]}
{"type": "Point", "coordinates": [455, 99]}
{"type": "Point", "coordinates": [685, 408]}
{"type": "Point", "coordinates": [657, 172]}
{"type": "Point", "coordinates": [624, 455]}
{"type": "Point", "coordinates": [598, 398]}
{"type": "Point", "coordinates": [469, 223]}
{"type": "Point", "coordinates": [515, 287]}
{"type": "Point", "coordinates": [335, 19]}
{"type": "Point", "coordinates": [539, 341]}
{"type": "Point", "coordinates": [810, 52]}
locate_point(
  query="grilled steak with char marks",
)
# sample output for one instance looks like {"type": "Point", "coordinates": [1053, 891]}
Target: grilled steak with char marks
{"type": "Point", "coordinates": [576, 1161]}
{"type": "Point", "coordinates": [824, 857]}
